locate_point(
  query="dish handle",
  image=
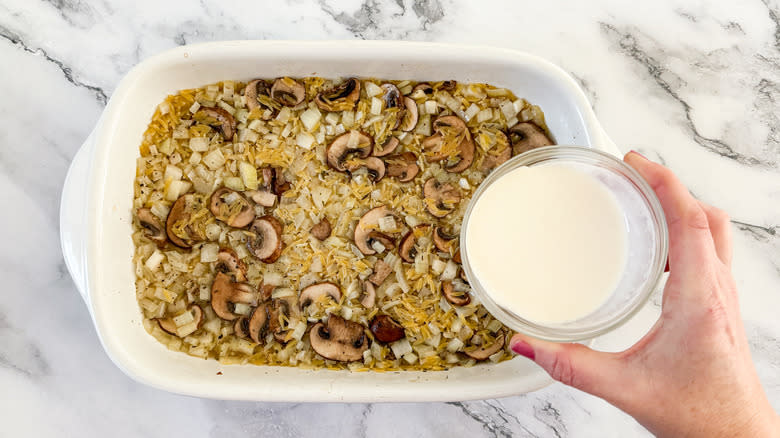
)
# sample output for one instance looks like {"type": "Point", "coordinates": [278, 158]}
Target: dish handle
{"type": "Point", "coordinates": [73, 215]}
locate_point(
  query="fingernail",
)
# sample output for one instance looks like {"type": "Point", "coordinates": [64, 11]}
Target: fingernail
{"type": "Point", "coordinates": [666, 269]}
{"type": "Point", "coordinates": [635, 152]}
{"type": "Point", "coordinates": [523, 349]}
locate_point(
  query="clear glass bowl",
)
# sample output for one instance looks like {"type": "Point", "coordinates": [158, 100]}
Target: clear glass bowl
{"type": "Point", "coordinates": [648, 243]}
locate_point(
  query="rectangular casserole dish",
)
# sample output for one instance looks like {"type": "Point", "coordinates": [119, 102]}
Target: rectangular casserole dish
{"type": "Point", "coordinates": [96, 216]}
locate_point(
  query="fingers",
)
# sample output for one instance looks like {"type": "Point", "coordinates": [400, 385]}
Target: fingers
{"type": "Point", "coordinates": [720, 228]}
{"type": "Point", "coordinates": [576, 365]}
{"type": "Point", "coordinates": [690, 241]}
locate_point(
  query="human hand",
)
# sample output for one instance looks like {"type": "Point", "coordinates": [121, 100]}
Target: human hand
{"type": "Point", "coordinates": [692, 374]}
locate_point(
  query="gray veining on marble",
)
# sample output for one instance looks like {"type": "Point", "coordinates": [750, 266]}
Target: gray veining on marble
{"type": "Point", "coordinates": [695, 85]}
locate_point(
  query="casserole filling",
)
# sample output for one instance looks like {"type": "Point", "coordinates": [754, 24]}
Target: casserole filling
{"type": "Point", "coordinates": [311, 222]}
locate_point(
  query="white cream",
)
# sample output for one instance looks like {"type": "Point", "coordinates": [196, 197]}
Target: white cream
{"type": "Point", "coordinates": [547, 242]}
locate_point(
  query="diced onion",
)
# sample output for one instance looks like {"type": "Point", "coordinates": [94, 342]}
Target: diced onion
{"type": "Point", "coordinates": [304, 140]}
{"type": "Point", "coordinates": [282, 292]}
{"type": "Point", "coordinates": [176, 189]}
{"type": "Point", "coordinates": [431, 107]}
{"type": "Point", "coordinates": [154, 260]}
{"type": "Point", "coordinates": [454, 345]}
{"type": "Point", "coordinates": [401, 347]}
{"type": "Point", "coordinates": [377, 246]}
{"type": "Point", "coordinates": [208, 252]}
{"type": "Point", "coordinates": [199, 144]}
{"type": "Point", "coordinates": [173, 173]}
{"type": "Point", "coordinates": [410, 358]}
{"type": "Point", "coordinates": [234, 183]}
{"type": "Point", "coordinates": [376, 106]}
{"type": "Point", "coordinates": [184, 318]}
{"type": "Point", "coordinates": [214, 159]}
{"type": "Point", "coordinates": [450, 271]}
{"type": "Point", "coordinates": [310, 118]}
{"type": "Point", "coordinates": [213, 231]}
{"type": "Point", "coordinates": [387, 224]}
{"type": "Point", "coordinates": [372, 89]}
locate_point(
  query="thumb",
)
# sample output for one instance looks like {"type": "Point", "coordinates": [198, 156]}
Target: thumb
{"type": "Point", "coordinates": [597, 373]}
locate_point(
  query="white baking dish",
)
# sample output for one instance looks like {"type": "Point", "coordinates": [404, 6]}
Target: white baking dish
{"type": "Point", "coordinates": [96, 215]}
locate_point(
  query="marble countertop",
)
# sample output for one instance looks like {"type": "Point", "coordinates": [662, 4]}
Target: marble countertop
{"type": "Point", "coordinates": [694, 85]}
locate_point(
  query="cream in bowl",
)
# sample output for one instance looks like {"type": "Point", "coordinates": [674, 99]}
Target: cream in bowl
{"type": "Point", "coordinates": [563, 243]}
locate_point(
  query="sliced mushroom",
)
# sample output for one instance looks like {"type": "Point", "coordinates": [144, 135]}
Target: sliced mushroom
{"type": "Point", "coordinates": [385, 329]}
{"type": "Point", "coordinates": [280, 185]}
{"type": "Point", "coordinates": [526, 136]}
{"type": "Point", "coordinates": [257, 94]}
{"type": "Point", "coordinates": [321, 230]}
{"type": "Point", "coordinates": [450, 85]}
{"type": "Point", "coordinates": [456, 257]}
{"type": "Point", "coordinates": [422, 89]}
{"type": "Point", "coordinates": [407, 249]}
{"type": "Point", "coordinates": [368, 299]}
{"type": "Point", "coordinates": [155, 231]}
{"type": "Point", "coordinates": [266, 291]}
{"type": "Point", "coordinates": [451, 141]}
{"type": "Point", "coordinates": [217, 116]}
{"type": "Point", "coordinates": [411, 115]}
{"type": "Point", "coordinates": [484, 352]}
{"type": "Point", "coordinates": [241, 327]}
{"type": "Point", "coordinates": [231, 207]}
{"type": "Point", "coordinates": [402, 166]}
{"type": "Point", "coordinates": [344, 97]}
{"type": "Point", "coordinates": [315, 291]}
{"type": "Point", "coordinates": [458, 298]}
{"type": "Point", "coordinates": [169, 325]}
{"type": "Point", "coordinates": [365, 233]}
{"type": "Point", "coordinates": [226, 293]}
{"type": "Point", "coordinates": [462, 275]}
{"type": "Point", "coordinates": [340, 340]}
{"type": "Point", "coordinates": [392, 96]}
{"type": "Point", "coordinates": [351, 143]}
{"type": "Point", "coordinates": [257, 323]}
{"type": "Point", "coordinates": [442, 240]}
{"type": "Point", "coordinates": [288, 91]}
{"type": "Point", "coordinates": [181, 230]}
{"type": "Point", "coordinates": [281, 313]}
{"type": "Point", "coordinates": [497, 147]}
{"type": "Point", "coordinates": [493, 160]}
{"type": "Point", "coordinates": [375, 167]}
{"type": "Point", "coordinates": [381, 271]}
{"type": "Point", "coordinates": [266, 244]}
{"type": "Point", "coordinates": [229, 263]}
{"type": "Point", "coordinates": [440, 199]}
{"type": "Point", "coordinates": [386, 241]}
{"type": "Point", "coordinates": [387, 148]}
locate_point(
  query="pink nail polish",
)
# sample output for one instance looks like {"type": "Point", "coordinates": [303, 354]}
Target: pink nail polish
{"type": "Point", "coordinates": [635, 152]}
{"type": "Point", "coordinates": [523, 349]}
{"type": "Point", "coordinates": [666, 269]}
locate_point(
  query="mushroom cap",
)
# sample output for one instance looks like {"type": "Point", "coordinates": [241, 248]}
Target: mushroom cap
{"type": "Point", "coordinates": [211, 115]}
{"type": "Point", "coordinates": [365, 229]}
{"type": "Point", "coordinates": [227, 212]}
{"type": "Point", "coordinates": [257, 323]}
{"type": "Point", "coordinates": [449, 85]}
{"type": "Point", "coordinates": [267, 243]}
{"type": "Point", "coordinates": [385, 329]}
{"type": "Point", "coordinates": [440, 199]}
{"type": "Point", "coordinates": [455, 297]}
{"type": "Point", "coordinates": [482, 353]}
{"type": "Point", "coordinates": [225, 293]}
{"type": "Point", "coordinates": [376, 168]}
{"type": "Point", "coordinates": [368, 299]}
{"type": "Point", "coordinates": [406, 249]}
{"type": "Point", "coordinates": [402, 166]}
{"type": "Point", "coordinates": [288, 91]}
{"type": "Point", "coordinates": [315, 291]}
{"type": "Point", "coordinates": [387, 148]}
{"type": "Point", "coordinates": [155, 231]}
{"type": "Point", "coordinates": [343, 97]}
{"type": "Point", "coordinates": [526, 136]}
{"type": "Point", "coordinates": [229, 263]}
{"type": "Point", "coordinates": [321, 230]}
{"type": "Point", "coordinates": [254, 89]}
{"type": "Point", "coordinates": [493, 160]}
{"type": "Point", "coordinates": [178, 227]}
{"type": "Point", "coordinates": [340, 340]}
{"type": "Point", "coordinates": [410, 116]}
{"type": "Point", "coordinates": [443, 240]}
{"type": "Point", "coordinates": [353, 142]}
{"type": "Point", "coordinates": [381, 271]}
